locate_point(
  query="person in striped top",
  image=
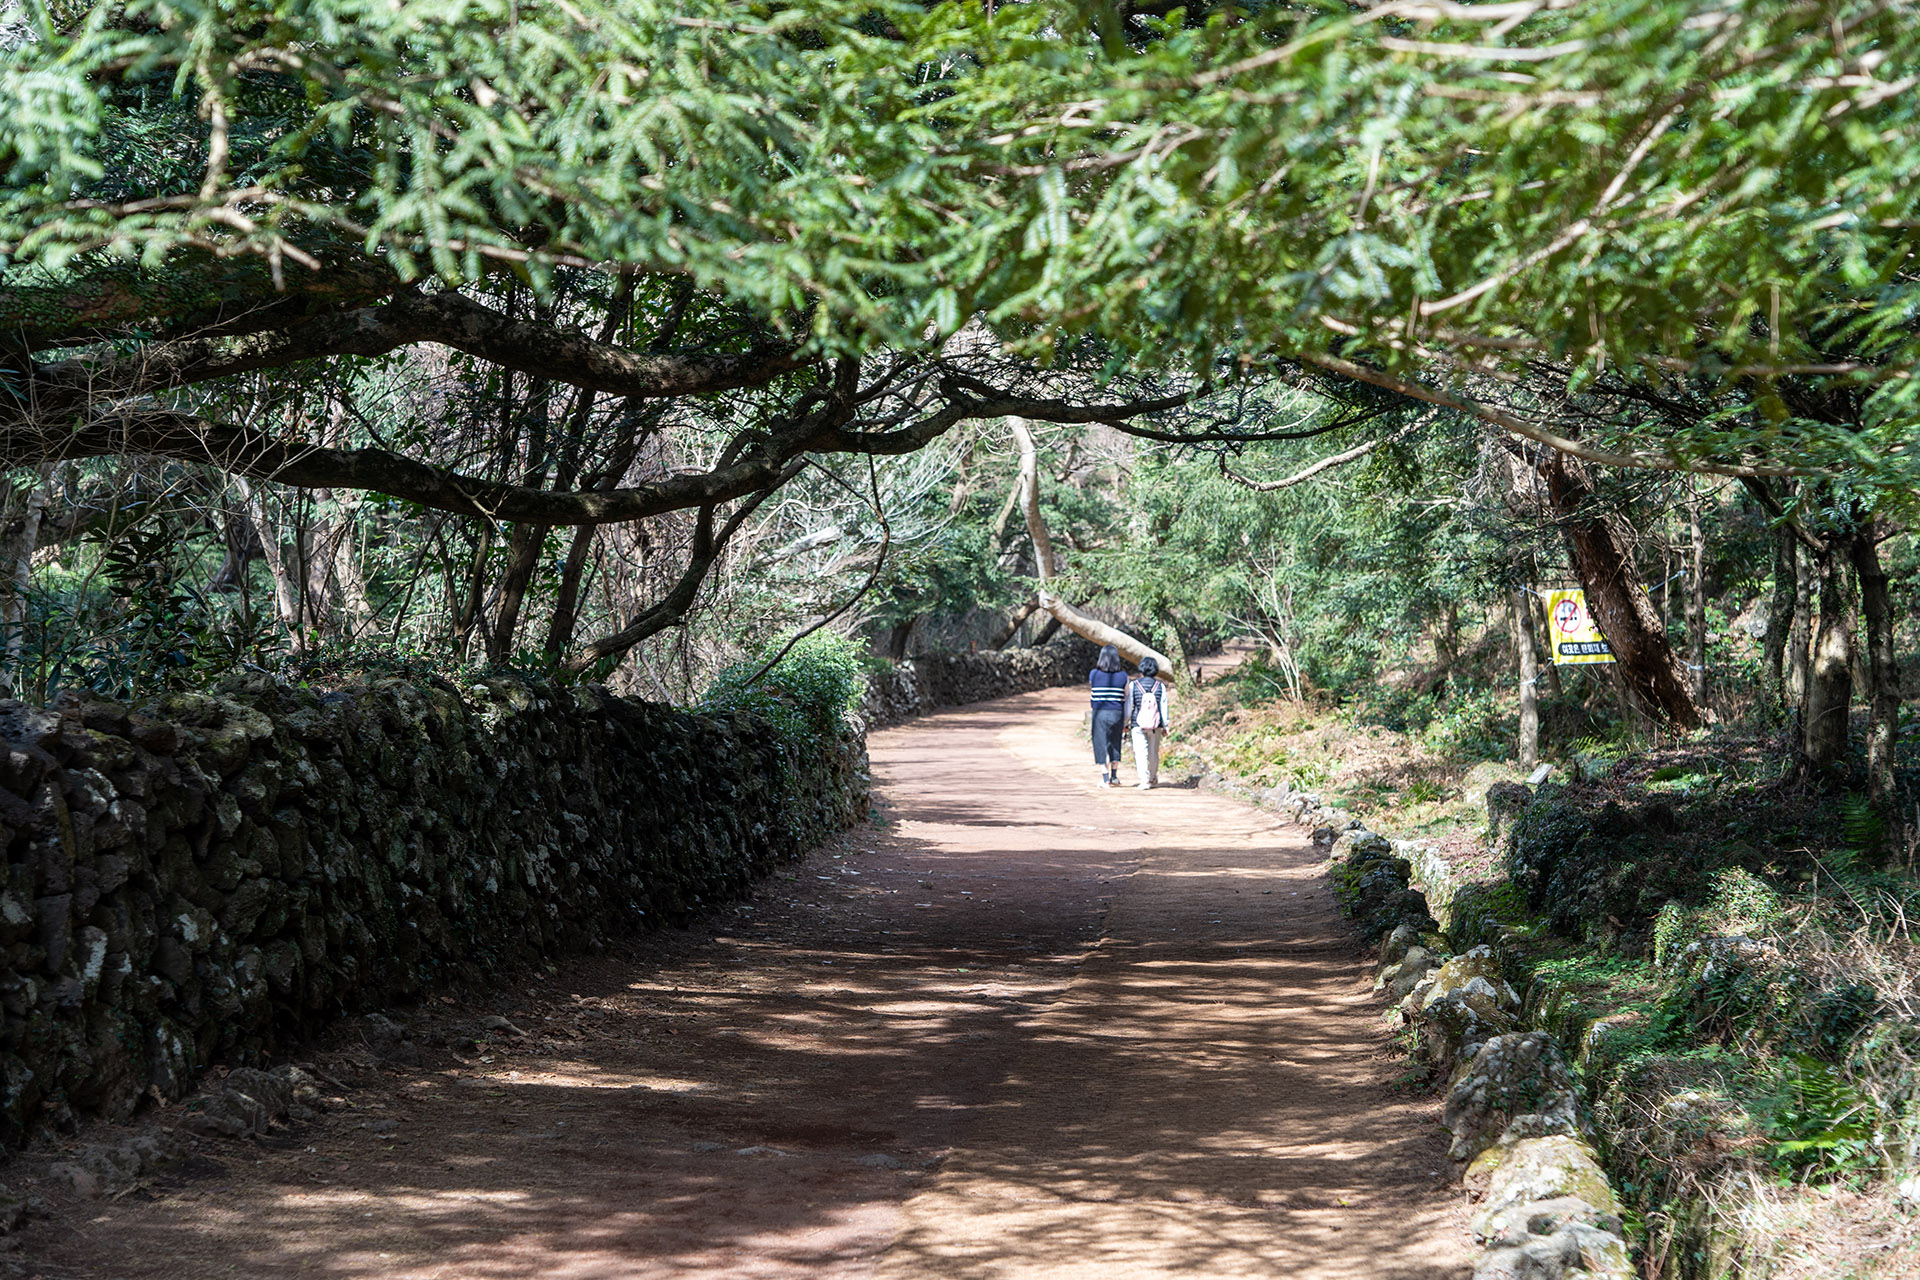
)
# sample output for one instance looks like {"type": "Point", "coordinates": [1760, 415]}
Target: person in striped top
{"type": "Point", "coordinates": [1108, 680]}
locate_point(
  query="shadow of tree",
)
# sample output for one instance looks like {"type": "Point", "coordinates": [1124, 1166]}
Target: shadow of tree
{"type": "Point", "coordinates": [1028, 1032]}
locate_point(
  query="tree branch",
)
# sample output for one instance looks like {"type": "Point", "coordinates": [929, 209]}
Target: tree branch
{"type": "Point", "coordinates": [1063, 613]}
{"type": "Point", "coordinates": [194, 293]}
{"type": "Point", "coordinates": [1325, 464]}
{"type": "Point", "coordinates": [448, 318]}
{"type": "Point", "coordinates": [164, 433]}
{"type": "Point", "coordinates": [1532, 431]}
{"type": "Point", "coordinates": [671, 609]}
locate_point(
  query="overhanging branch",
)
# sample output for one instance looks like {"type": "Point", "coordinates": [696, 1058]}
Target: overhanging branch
{"type": "Point", "coordinates": [1520, 426]}
{"type": "Point", "coordinates": [187, 438]}
{"type": "Point", "coordinates": [448, 319]}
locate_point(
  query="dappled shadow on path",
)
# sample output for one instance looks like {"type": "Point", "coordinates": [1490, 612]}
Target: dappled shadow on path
{"type": "Point", "coordinates": [1030, 1029]}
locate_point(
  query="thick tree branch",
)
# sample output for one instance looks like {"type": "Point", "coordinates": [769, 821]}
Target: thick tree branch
{"type": "Point", "coordinates": [1063, 613]}
{"type": "Point", "coordinates": [963, 407]}
{"type": "Point", "coordinates": [163, 433]}
{"type": "Point", "coordinates": [194, 293]}
{"type": "Point", "coordinates": [1764, 496]}
{"type": "Point", "coordinates": [671, 609]}
{"type": "Point", "coordinates": [448, 318]}
{"type": "Point", "coordinates": [1533, 431]}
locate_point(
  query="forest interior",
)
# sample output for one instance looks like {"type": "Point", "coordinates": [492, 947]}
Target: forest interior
{"type": "Point", "coordinates": [475, 471]}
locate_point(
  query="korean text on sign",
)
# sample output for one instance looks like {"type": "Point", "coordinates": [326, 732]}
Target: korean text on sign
{"type": "Point", "coordinates": [1575, 639]}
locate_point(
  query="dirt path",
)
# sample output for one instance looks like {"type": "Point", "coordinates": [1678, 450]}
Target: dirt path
{"type": "Point", "coordinates": [1028, 1028]}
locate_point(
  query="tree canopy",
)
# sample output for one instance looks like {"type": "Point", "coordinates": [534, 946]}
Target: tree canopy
{"type": "Point", "coordinates": [1423, 192]}
{"type": "Point", "coordinates": [603, 262]}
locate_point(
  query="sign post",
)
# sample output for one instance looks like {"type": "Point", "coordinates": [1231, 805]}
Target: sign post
{"type": "Point", "coordinates": [1576, 641]}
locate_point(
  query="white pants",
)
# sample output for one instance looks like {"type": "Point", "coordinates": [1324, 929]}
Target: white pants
{"type": "Point", "coordinates": [1146, 753]}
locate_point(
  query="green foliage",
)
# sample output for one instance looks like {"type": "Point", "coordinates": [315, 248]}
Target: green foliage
{"type": "Point", "coordinates": [1673, 925]}
{"type": "Point", "coordinates": [1423, 791]}
{"type": "Point", "coordinates": [1342, 579]}
{"type": "Point", "coordinates": [1473, 724]}
{"type": "Point", "coordinates": [1741, 902]}
{"type": "Point", "coordinates": [1863, 829]}
{"type": "Point", "coordinates": [1257, 680]}
{"type": "Point", "coordinates": [1726, 194]}
{"type": "Point", "coordinates": [1818, 1123]}
{"type": "Point", "coordinates": [1263, 756]}
{"type": "Point", "coordinates": [341, 661]}
{"type": "Point", "coordinates": [138, 621]}
{"type": "Point", "coordinates": [806, 696]}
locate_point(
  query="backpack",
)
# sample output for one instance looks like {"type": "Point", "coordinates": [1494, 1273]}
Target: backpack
{"type": "Point", "coordinates": [1148, 717]}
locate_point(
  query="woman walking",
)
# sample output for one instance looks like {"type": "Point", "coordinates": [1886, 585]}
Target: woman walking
{"type": "Point", "coordinates": [1147, 706]}
{"type": "Point", "coordinates": [1109, 683]}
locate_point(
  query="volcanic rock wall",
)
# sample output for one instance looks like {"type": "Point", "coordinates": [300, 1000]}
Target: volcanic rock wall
{"type": "Point", "coordinates": [206, 883]}
{"type": "Point", "coordinates": [932, 681]}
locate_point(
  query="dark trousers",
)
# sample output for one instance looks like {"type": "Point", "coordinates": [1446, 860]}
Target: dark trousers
{"type": "Point", "coordinates": [1107, 724]}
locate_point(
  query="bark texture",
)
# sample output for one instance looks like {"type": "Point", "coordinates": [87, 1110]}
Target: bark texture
{"type": "Point", "coordinates": [1617, 599]}
{"type": "Point", "coordinates": [1782, 615]}
{"type": "Point", "coordinates": [1524, 646]}
{"type": "Point", "coordinates": [1829, 695]}
{"type": "Point", "coordinates": [1696, 596]}
{"type": "Point", "coordinates": [1044, 566]}
{"type": "Point", "coordinates": [1883, 692]}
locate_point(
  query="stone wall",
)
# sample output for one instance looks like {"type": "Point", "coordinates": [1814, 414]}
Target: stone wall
{"type": "Point", "coordinates": [213, 880]}
{"type": "Point", "coordinates": [1545, 1210]}
{"type": "Point", "coordinates": [932, 681]}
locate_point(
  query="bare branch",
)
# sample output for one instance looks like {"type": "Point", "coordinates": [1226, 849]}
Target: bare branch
{"type": "Point", "coordinates": [672, 609]}
{"type": "Point", "coordinates": [1325, 464]}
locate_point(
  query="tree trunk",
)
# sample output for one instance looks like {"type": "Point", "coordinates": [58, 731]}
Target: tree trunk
{"type": "Point", "coordinates": [13, 606]}
{"type": "Point", "coordinates": [899, 636]}
{"type": "Point", "coordinates": [1829, 696]}
{"type": "Point", "coordinates": [1883, 696]}
{"type": "Point", "coordinates": [1617, 599]}
{"type": "Point", "coordinates": [1537, 616]}
{"type": "Point", "coordinates": [1782, 616]}
{"type": "Point", "coordinates": [523, 558]}
{"type": "Point", "coordinates": [468, 613]}
{"type": "Point", "coordinates": [1065, 614]}
{"type": "Point", "coordinates": [357, 608]}
{"type": "Point", "coordinates": [1862, 672]}
{"type": "Point", "coordinates": [566, 604]}
{"type": "Point", "coordinates": [286, 587]}
{"type": "Point", "coordinates": [1015, 620]}
{"type": "Point", "coordinates": [1523, 647]}
{"type": "Point", "coordinates": [1800, 637]}
{"type": "Point", "coordinates": [1696, 595]}
{"type": "Point", "coordinates": [1176, 647]}
{"type": "Point", "coordinates": [1446, 637]}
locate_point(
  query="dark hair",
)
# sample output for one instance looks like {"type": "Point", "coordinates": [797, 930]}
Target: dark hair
{"type": "Point", "coordinates": [1109, 659]}
{"type": "Point", "coordinates": [1149, 667]}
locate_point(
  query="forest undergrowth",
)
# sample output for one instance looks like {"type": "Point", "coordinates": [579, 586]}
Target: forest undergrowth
{"type": "Point", "coordinates": [1724, 949]}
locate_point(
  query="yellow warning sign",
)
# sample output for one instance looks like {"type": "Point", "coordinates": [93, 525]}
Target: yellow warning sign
{"type": "Point", "coordinates": [1575, 639]}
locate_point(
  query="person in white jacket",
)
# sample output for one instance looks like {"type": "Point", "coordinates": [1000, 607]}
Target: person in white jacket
{"type": "Point", "coordinates": [1149, 699]}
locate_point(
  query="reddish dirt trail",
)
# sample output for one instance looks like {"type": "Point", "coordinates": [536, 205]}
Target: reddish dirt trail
{"type": "Point", "coordinates": [1029, 1028]}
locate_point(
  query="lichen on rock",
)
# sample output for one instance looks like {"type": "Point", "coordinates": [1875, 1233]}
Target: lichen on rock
{"type": "Point", "coordinates": [1516, 1085]}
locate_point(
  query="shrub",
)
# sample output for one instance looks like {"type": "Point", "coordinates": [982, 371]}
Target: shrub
{"type": "Point", "coordinates": [806, 695]}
